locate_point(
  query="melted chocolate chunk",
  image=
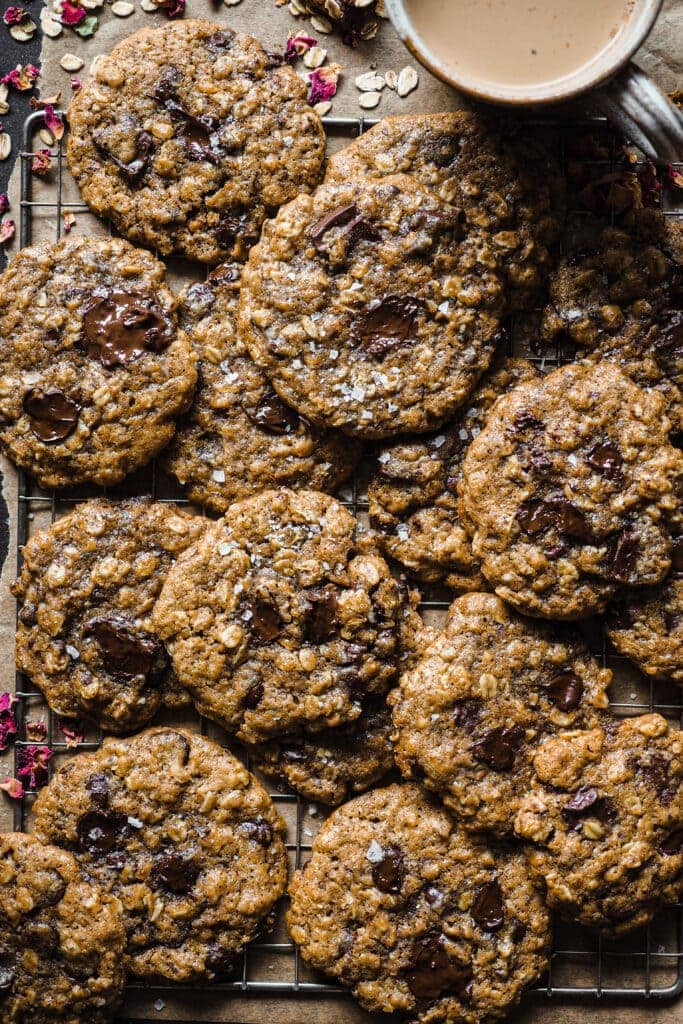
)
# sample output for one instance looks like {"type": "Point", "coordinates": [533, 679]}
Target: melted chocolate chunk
{"type": "Point", "coordinates": [52, 416]}
{"type": "Point", "coordinates": [538, 515]}
{"type": "Point", "coordinates": [434, 973]}
{"type": "Point", "coordinates": [388, 873]}
{"type": "Point", "coordinates": [119, 327]}
{"type": "Point", "coordinates": [273, 415]}
{"type": "Point", "coordinates": [622, 552]}
{"type": "Point", "coordinates": [98, 831]}
{"type": "Point", "coordinates": [606, 458]}
{"type": "Point", "coordinates": [656, 770]}
{"type": "Point", "coordinates": [342, 215]}
{"type": "Point", "coordinates": [98, 787]}
{"type": "Point", "coordinates": [673, 843]}
{"type": "Point", "coordinates": [220, 961]}
{"type": "Point", "coordinates": [199, 132]}
{"type": "Point", "coordinates": [321, 620]}
{"type": "Point", "coordinates": [497, 747]}
{"type": "Point", "coordinates": [258, 830]}
{"type": "Point", "coordinates": [237, 225]}
{"type": "Point", "coordinates": [488, 909]}
{"type": "Point", "coordinates": [126, 650]}
{"type": "Point", "coordinates": [133, 171]}
{"type": "Point", "coordinates": [586, 803]}
{"type": "Point", "coordinates": [566, 690]}
{"type": "Point", "coordinates": [175, 872]}
{"type": "Point", "coordinates": [254, 696]}
{"type": "Point", "coordinates": [265, 621]}
{"type": "Point", "coordinates": [387, 324]}
{"type": "Point", "coordinates": [668, 344]}
{"type": "Point", "coordinates": [677, 557]}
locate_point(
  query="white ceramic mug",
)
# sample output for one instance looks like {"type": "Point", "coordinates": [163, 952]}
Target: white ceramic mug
{"type": "Point", "coordinates": [621, 90]}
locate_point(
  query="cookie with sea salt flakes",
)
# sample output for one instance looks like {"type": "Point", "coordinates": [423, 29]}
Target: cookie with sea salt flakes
{"type": "Point", "coordinates": [487, 691]}
{"type": "Point", "coordinates": [93, 367]}
{"type": "Point", "coordinates": [412, 494]}
{"type": "Point", "coordinates": [604, 822]}
{"type": "Point", "coordinates": [364, 305]}
{"type": "Point", "coordinates": [189, 135]}
{"type": "Point", "coordinates": [572, 491]}
{"type": "Point", "coordinates": [85, 592]}
{"type": "Point", "coordinates": [501, 173]}
{"type": "Point", "coordinates": [239, 437]}
{"type": "Point", "coordinates": [61, 939]}
{"type": "Point", "coordinates": [281, 619]}
{"type": "Point", "coordinates": [188, 840]}
{"type": "Point", "coordinates": [417, 918]}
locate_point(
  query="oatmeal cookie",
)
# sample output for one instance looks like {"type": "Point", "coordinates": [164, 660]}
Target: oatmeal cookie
{"type": "Point", "coordinates": [488, 690]}
{"type": "Point", "coordinates": [239, 437]}
{"type": "Point", "coordinates": [621, 299]}
{"type": "Point", "coordinates": [360, 304]}
{"type": "Point", "coordinates": [412, 494]}
{"type": "Point", "coordinates": [178, 829]}
{"type": "Point", "coordinates": [278, 620]}
{"type": "Point", "coordinates": [86, 592]}
{"type": "Point", "coordinates": [189, 135]}
{"type": "Point", "coordinates": [415, 916]}
{"type": "Point", "coordinates": [61, 939]}
{"type": "Point", "coordinates": [93, 367]}
{"type": "Point", "coordinates": [500, 173]}
{"type": "Point", "coordinates": [571, 490]}
{"type": "Point", "coordinates": [647, 626]}
{"type": "Point", "coordinates": [605, 822]}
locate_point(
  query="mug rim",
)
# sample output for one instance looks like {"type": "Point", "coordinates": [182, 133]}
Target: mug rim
{"type": "Point", "coordinates": [572, 85]}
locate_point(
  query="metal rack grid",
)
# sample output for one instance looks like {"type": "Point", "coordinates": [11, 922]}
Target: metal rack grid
{"type": "Point", "coordinates": [643, 967]}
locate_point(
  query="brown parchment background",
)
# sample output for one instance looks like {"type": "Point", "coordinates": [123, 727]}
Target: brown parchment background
{"type": "Point", "coordinates": [662, 56]}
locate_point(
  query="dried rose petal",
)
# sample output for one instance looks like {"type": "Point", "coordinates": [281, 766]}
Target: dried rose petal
{"type": "Point", "coordinates": [71, 13]}
{"type": "Point", "coordinates": [72, 733]}
{"type": "Point", "coordinates": [7, 229]}
{"type": "Point", "coordinates": [35, 729]}
{"type": "Point", "coordinates": [323, 83]}
{"type": "Point", "coordinates": [76, 83]}
{"type": "Point", "coordinates": [12, 787]}
{"type": "Point", "coordinates": [297, 46]}
{"type": "Point", "coordinates": [53, 122]}
{"type": "Point", "coordinates": [33, 761]}
{"type": "Point", "coordinates": [42, 161]}
{"type": "Point", "coordinates": [14, 15]}
{"type": "Point", "coordinates": [8, 722]}
{"type": "Point", "coordinates": [175, 9]}
{"type": "Point", "coordinates": [4, 203]}
{"type": "Point", "coordinates": [674, 176]}
{"type": "Point", "coordinates": [22, 77]}
{"type": "Point", "coordinates": [651, 186]}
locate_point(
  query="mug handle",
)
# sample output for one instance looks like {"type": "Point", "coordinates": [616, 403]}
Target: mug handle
{"type": "Point", "coordinates": [644, 114]}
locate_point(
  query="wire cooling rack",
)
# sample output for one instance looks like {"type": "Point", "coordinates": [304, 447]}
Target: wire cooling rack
{"type": "Point", "coordinates": [644, 966]}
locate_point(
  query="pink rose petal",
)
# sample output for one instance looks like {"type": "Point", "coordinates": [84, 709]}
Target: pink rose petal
{"type": "Point", "coordinates": [12, 787]}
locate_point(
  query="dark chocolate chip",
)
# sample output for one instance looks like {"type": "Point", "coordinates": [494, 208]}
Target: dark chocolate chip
{"type": "Point", "coordinates": [586, 802]}
{"type": "Point", "coordinates": [28, 614]}
{"type": "Point", "coordinates": [237, 225]}
{"type": "Point", "coordinates": [566, 690]}
{"type": "Point", "coordinates": [342, 215]}
{"type": "Point", "coordinates": [254, 695]}
{"type": "Point", "coordinates": [320, 620]}
{"type": "Point", "coordinates": [622, 551]}
{"type": "Point", "coordinates": [387, 324]}
{"type": "Point", "coordinates": [488, 909]}
{"type": "Point", "coordinates": [119, 327]}
{"type": "Point", "coordinates": [273, 415]}
{"type": "Point", "coordinates": [176, 872]}
{"type": "Point", "coordinates": [673, 844]}
{"type": "Point", "coordinates": [98, 831]}
{"type": "Point", "coordinates": [434, 973]}
{"type": "Point", "coordinates": [538, 515]}
{"type": "Point", "coordinates": [605, 457]}
{"type": "Point", "coordinates": [98, 787]}
{"type": "Point", "coordinates": [388, 873]}
{"type": "Point", "coordinates": [258, 830]}
{"type": "Point", "coordinates": [497, 747]}
{"type": "Point", "coordinates": [265, 621]}
{"type": "Point", "coordinates": [126, 650]}
{"type": "Point", "coordinates": [52, 416]}
{"type": "Point", "coordinates": [133, 171]}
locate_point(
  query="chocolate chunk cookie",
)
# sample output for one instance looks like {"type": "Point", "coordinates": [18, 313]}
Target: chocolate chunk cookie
{"type": "Point", "coordinates": [239, 437]}
{"type": "Point", "coordinates": [413, 493]}
{"type": "Point", "coordinates": [571, 490]}
{"type": "Point", "coordinates": [335, 764]}
{"type": "Point", "coordinates": [647, 625]}
{"type": "Point", "coordinates": [622, 299]}
{"type": "Point", "coordinates": [61, 939]}
{"type": "Point", "coordinates": [86, 592]}
{"type": "Point", "coordinates": [488, 690]}
{"type": "Point", "coordinates": [93, 368]}
{"type": "Point", "coordinates": [362, 306]}
{"type": "Point", "coordinates": [178, 829]}
{"type": "Point", "coordinates": [189, 135]}
{"type": "Point", "coordinates": [501, 174]}
{"type": "Point", "coordinates": [608, 846]}
{"type": "Point", "coordinates": [278, 619]}
{"type": "Point", "coordinates": [415, 916]}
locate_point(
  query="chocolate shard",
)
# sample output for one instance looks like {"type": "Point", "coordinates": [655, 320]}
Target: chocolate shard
{"type": "Point", "coordinates": [264, 620]}
{"type": "Point", "coordinates": [341, 215]}
{"type": "Point", "coordinates": [321, 620]}
{"type": "Point", "coordinates": [539, 515]}
{"type": "Point", "coordinates": [273, 415]}
{"type": "Point", "coordinates": [488, 909]}
{"type": "Point", "coordinates": [434, 973]}
{"type": "Point", "coordinates": [133, 171]}
{"type": "Point", "coordinates": [126, 649]}
{"type": "Point", "coordinates": [175, 872]}
{"type": "Point", "coordinates": [388, 872]}
{"type": "Point", "coordinates": [622, 552]}
{"type": "Point", "coordinates": [119, 327]}
{"type": "Point", "coordinates": [52, 415]}
{"type": "Point", "coordinates": [566, 690]}
{"type": "Point", "coordinates": [387, 324]}
{"type": "Point", "coordinates": [98, 831]}
{"type": "Point", "coordinates": [586, 802]}
{"type": "Point", "coordinates": [606, 458]}
{"type": "Point", "coordinates": [497, 747]}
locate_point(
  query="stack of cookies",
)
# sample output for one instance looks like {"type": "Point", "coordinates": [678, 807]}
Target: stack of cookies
{"type": "Point", "coordinates": [360, 314]}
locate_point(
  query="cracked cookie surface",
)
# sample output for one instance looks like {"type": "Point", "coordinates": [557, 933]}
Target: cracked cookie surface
{"type": "Point", "coordinates": [503, 177]}
{"type": "Point", "coordinates": [571, 491]}
{"type": "Point", "coordinates": [361, 306]}
{"type": "Point", "coordinates": [179, 830]}
{"type": "Point", "coordinates": [239, 437]}
{"type": "Point", "coordinates": [189, 136]}
{"type": "Point", "coordinates": [86, 592]}
{"type": "Point", "coordinates": [605, 822]}
{"type": "Point", "coordinates": [61, 939]}
{"type": "Point", "coordinates": [416, 917]}
{"type": "Point", "coordinates": [93, 368]}
{"type": "Point", "coordinates": [412, 494]}
{"type": "Point", "coordinates": [487, 691]}
{"type": "Point", "coordinates": [279, 620]}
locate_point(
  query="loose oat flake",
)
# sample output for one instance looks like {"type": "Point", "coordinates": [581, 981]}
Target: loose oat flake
{"type": "Point", "coordinates": [8, 721]}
